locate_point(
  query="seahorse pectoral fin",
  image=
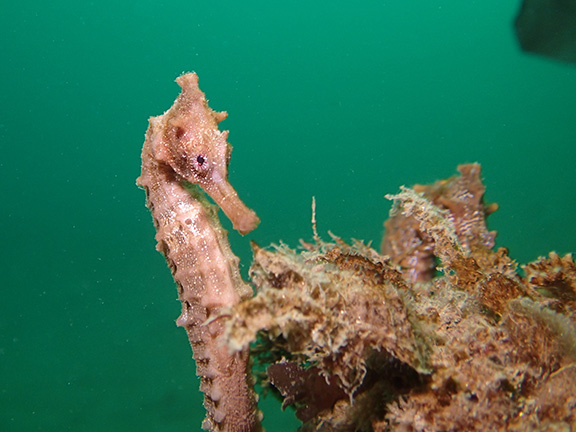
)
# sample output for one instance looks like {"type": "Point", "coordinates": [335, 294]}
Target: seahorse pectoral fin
{"type": "Point", "coordinates": [243, 219]}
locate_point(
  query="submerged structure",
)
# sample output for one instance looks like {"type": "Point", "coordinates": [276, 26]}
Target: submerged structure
{"type": "Point", "coordinates": [547, 28]}
{"type": "Point", "coordinates": [437, 331]}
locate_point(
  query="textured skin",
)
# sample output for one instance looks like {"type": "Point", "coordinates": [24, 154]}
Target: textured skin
{"type": "Point", "coordinates": [183, 149]}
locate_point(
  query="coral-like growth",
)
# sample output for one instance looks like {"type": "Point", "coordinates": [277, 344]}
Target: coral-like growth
{"type": "Point", "coordinates": [438, 333]}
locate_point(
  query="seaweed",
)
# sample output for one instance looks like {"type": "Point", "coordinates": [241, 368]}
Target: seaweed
{"type": "Point", "coordinates": [439, 331]}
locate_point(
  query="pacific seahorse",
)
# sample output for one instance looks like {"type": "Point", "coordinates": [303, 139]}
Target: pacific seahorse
{"type": "Point", "coordinates": [185, 149]}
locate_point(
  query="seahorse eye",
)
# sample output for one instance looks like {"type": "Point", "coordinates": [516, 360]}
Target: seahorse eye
{"type": "Point", "coordinates": [200, 163]}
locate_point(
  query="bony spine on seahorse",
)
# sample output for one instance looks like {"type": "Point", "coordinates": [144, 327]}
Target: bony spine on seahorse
{"type": "Point", "coordinates": [183, 150]}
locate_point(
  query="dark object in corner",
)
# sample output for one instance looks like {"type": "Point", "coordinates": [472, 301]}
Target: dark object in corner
{"type": "Point", "coordinates": [548, 28]}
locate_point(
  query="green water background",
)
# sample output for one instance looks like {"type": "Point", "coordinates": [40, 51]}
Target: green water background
{"type": "Point", "coordinates": [344, 101]}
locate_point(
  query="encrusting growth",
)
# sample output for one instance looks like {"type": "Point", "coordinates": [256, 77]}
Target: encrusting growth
{"type": "Point", "coordinates": [356, 340]}
{"type": "Point", "coordinates": [183, 150]}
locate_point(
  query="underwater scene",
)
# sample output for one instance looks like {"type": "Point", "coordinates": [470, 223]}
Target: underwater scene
{"type": "Point", "coordinates": [411, 162]}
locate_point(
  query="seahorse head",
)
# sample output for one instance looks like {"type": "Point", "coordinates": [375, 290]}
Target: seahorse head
{"type": "Point", "coordinates": [193, 146]}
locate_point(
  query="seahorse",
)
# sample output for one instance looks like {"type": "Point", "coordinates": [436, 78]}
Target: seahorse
{"type": "Point", "coordinates": [184, 151]}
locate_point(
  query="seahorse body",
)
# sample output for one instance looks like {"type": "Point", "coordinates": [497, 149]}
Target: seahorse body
{"type": "Point", "coordinates": [184, 148]}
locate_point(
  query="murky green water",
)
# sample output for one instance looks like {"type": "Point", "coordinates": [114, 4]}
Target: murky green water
{"type": "Point", "coordinates": [345, 101]}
